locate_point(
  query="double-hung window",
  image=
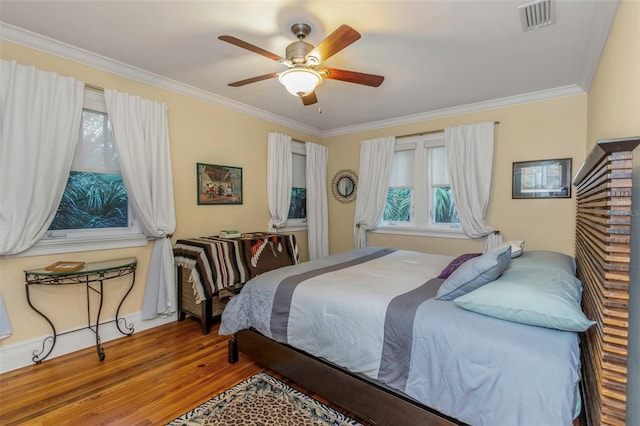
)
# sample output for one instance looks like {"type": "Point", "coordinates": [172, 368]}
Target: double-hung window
{"type": "Point", "coordinates": [297, 218]}
{"type": "Point", "coordinates": [94, 212]}
{"type": "Point", "coordinates": [419, 199]}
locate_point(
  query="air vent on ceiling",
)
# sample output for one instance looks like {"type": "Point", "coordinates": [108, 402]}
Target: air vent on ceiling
{"type": "Point", "coordinates": [537, 14]}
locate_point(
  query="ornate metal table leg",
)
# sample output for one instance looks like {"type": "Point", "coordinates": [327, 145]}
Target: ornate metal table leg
{"type": "Point", "coordinates": [39, 356]}
{"type": "Point", "coordinates": [129, 327]}
{"type": "Point", "coordinates": [99, 349]}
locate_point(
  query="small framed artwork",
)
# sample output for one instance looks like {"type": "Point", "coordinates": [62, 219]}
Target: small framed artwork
{"type": "Point", "coordinates": [219, 184]}
{"type": "Point", "coordinates": [542, 179]}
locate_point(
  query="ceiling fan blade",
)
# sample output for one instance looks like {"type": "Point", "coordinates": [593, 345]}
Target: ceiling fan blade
{"type": "Point", "coordinates": [354, 77]}
{"type": "Point", "coordinates": [335, 42]}
{"type": "Point", "coordinates": [310, 99]}
{"type": "Point", "coordinates": [255, 49]}
{"type": "Point", "coordinates": [253, 79]}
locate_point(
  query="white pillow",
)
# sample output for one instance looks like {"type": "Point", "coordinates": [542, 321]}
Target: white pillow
{"type": "Point", "coordinates": [516, 247]}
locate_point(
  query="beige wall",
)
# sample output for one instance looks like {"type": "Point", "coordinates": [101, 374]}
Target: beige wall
{"type": "Point", "coordinates": [535, 131]}
{"type": "Point", "coordinates": [199, 132]}
{"type": "Point", "coordinates": [614, 95]}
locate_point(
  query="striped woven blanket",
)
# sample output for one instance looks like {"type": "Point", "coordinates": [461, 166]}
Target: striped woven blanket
{"type": "Point", "coordinates": [216, 263]}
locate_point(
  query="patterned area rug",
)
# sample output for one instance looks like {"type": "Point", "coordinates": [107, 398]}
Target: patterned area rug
{"type": "Point", "coordinates": [265, 401]}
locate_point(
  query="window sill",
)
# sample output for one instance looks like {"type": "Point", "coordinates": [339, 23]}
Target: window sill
{"type": "Point", "coordinates": [295, 227]}
{"type": "Point", "coordinates": [421, 232]}
{"type": "Point", "coordinates": [79, 244]}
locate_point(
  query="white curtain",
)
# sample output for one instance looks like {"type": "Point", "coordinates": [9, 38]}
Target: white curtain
{"type": "Point", "coordinates": [376, 156]}
{"type": "Point", "coordinates": [279, 177]}
{"type": "Point", "coordinates": [470, 162]}
{"type": "Point", "coordinates": [141, 133]}
{"type": "Point", "coordinates": [40, 114]}
{"type": "Point", "coordinates": [317, 210]}
{"type": "Point", "coordinates": [5, 325]}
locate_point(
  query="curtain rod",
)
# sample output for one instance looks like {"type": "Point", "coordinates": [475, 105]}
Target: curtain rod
{"type": "Point", "coordinates": [432, 131]}
{"type": "Point", "coordinates": [93, 87]}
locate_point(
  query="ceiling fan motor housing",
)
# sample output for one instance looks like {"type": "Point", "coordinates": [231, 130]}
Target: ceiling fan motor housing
{"type": "Point", "coordinates": [297, 52]}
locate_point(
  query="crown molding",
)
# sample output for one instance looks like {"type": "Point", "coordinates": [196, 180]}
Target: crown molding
{"type": "Point", "coordinates": [54, 47]}
{"type": "Point", "coordinates": [542, 95]}
{"type": "Point", "coordinates": [606, 10]}
{"type": "Point", "coordinates": [67, 51]}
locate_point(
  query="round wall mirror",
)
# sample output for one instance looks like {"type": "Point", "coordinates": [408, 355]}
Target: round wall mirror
{"type": "Point", "coordinates": [344, 185]}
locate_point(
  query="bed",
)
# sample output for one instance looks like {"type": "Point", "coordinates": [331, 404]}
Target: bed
{"type": "Point", "coordinates": [355, 310]}
{"type": "Point", "coordinates": [460, 365]}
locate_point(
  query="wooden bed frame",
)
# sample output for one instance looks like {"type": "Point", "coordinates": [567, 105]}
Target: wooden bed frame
{"type": "Point", "coordinates": [359, 395]}
{"type": "Point", "coordinates": [603, 187]}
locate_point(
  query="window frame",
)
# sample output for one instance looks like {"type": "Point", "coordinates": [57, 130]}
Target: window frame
{"type": "Point", "coordinates": [297, 224]}
{"type": "Point", "coordinates": [421, 219]}
{"type": "Point", "coordinates": [77, 240]}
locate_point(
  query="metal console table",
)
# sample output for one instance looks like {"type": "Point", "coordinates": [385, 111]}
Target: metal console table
{"type": "Point", "coordinates": [92, 275]}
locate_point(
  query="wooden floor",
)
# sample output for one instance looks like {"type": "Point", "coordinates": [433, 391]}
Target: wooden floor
{"type": "Point", "coordinates": [149, 378]}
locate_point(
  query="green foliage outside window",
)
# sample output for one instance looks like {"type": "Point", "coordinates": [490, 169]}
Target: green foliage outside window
{"type": "Point", "coordinates": [298, 206]}
{"type": "Point", "coordinates": [92, 200]}
{"type": "Point", "coordinates": [444, 206]}
{"type": "Point", "coordinates": [398, 207]}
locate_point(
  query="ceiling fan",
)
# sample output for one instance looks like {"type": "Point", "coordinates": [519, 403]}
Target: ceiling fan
{"type": "Point", "coordinates": [303, 61]}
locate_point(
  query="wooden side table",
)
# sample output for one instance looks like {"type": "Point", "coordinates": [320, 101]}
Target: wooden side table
{"type": "Point", "coordinates": [92, 275]}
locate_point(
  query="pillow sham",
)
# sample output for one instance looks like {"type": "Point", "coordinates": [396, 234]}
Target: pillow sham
{"type": "Point", "coordinates": [545, 259]}
{"type": "Point", "coordinates": [543, 298]}
{"type": "Point", "coordinates": [456, 263]}
{"type": "Point", "coordinates": [517, 247]}
{"type": "Point", "coordinates": [475, 273]}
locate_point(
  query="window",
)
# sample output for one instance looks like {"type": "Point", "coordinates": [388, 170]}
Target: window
{"type": "Point", "coordinates": [400, 194]}
{"type": "Point", "coordinates": [298, 208]}
{"type": "Point", "coordinates": [94, 212]}
{"type": "Point", "coordinates": [419, 200]}
{"type": "Point", "coordinates": [95, 196]}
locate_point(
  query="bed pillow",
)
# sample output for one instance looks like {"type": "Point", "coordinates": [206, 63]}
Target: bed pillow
{"type": "Point", "coordinates": [545, 259]}
{"type": "Point", "coordinates": [475, 273]}
{"type": "Point", "coordinates": [517, 247]}
{"type": "Point", "coordinates": [456, 263]}
{"type": "Point", "coordinates": [543, 298]}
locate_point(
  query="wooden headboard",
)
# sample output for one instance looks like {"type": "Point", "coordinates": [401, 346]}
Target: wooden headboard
{"type": "Point", "coordinates": [603, 255]}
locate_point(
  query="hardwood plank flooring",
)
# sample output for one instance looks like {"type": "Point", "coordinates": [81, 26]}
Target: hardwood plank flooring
{"type": "Point", "coordinates": [149, 378]}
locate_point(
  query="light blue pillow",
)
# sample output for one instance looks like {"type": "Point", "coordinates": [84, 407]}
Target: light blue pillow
{"type": "Point", "coordinates": [542, 298]}
{"type": "Point", "coordinates": [544, 259]}
{"type": "Point", "coordinates": [475, 273]}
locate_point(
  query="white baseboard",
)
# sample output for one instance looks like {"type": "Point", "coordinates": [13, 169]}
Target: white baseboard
{"type": "Point", "coordinates": [20, 354]}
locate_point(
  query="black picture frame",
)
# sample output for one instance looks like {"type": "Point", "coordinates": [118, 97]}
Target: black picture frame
{"type": "Point", "coordinates": [542, 179]}
{"type": "Point", "coordinates": [219, 184]}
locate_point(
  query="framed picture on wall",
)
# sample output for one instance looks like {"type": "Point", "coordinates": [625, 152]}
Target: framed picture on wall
{"type": "Point", "coordinates": [219, 184]}
{"type": "Point", "coordinates": [542, 179]}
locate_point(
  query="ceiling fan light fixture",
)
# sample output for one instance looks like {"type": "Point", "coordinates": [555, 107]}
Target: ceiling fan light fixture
{"type": "Point", "coordinates": [300, 81]}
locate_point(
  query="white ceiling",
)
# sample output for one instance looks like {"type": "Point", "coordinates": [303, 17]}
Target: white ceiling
{"type": "Point", "coordinates": [435, 55]}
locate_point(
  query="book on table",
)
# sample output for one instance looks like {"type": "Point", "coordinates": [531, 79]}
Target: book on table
{"type": "Point", "coordinates": [230, 234]}
{"type": "Point", "coordinates": [65, 266]}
